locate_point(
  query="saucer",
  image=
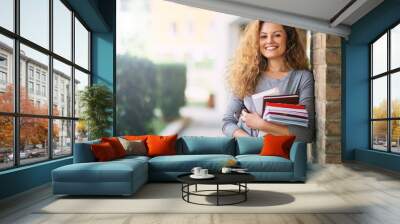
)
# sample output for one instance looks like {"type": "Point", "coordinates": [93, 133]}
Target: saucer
{"type": "Point", "coordinates": [208, 176]}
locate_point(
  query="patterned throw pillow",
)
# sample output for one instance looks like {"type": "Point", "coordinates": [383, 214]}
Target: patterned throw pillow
{"type": "Point", "coordinates": [134, 147]}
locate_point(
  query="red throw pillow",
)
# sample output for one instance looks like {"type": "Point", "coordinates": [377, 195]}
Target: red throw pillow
{"type": "Point", "coordinates": [277, 145]}
{"type": "Point", "coordinates": [161, 145]}
{"type": "Point", "coordinates": [116, 145]}
{"type": "Point", "coordinates": [103, 152]}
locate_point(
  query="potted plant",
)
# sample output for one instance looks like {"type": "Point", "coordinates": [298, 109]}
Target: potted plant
{"type": "Point", "coordinates": [96, 102]}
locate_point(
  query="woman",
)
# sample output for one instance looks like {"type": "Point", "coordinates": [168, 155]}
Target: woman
{"type": "Point", "coordinates": [270, 57]}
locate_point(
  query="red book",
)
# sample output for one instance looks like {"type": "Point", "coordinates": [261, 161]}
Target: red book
{"type": "Point", "coordinates": [288, 99]}
{"type": "Point", "coordinates": [286, 105]}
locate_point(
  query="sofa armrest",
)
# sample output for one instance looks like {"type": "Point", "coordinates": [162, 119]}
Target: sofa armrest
{"type": "Point", "coordinates": [83, 152]}
{"type": "Point", "coordinates": [298, 155]}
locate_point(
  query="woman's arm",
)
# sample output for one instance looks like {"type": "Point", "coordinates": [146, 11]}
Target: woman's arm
{"type": "Point", "coordinates": [229, 120]}
{"type": "Point", "coordinates": [253, 120]}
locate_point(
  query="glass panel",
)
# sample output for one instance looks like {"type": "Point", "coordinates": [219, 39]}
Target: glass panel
{"type": "Point", "coordinates": [7, 14]}
{"type": "Point", "coordinates": [379, 135]}
{"type": "Point", "coordinates": [395, 136]}
{"type": "Point", "coordinates": [62, 29]}
{"type": "Point", "coordinates": [62, 89]}
{"type": "Point", "coordinates": [6, 142]}
{"type": "Point", "coordinates": [395, 94]}
{"type": "Point", "coordinates": [33, 140]}
{"type": "Point", "coordinates": [81, 45]}
{"type": "Point", "coordinates": [62, 138]}
{"type": "Point", "coordinates": [379, 55]}
{"type": "Point", "coordinates": [34, 72]}
{"type": "Point", "coordinates": [81, 81]}
{"type": "Point", "coordinates": [395, 47]}
{"type": "Point", "coordinates": [379, 97]}
{"type": "Point", "coordinates": [6, 74]}
{"type": "Point", "coordinates": [81, 131]}
{"type": "Point", "coordinates": [35, 21]}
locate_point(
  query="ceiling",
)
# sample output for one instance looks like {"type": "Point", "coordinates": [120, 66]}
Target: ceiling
{"type": "Point", "coordinates": [328, 16]}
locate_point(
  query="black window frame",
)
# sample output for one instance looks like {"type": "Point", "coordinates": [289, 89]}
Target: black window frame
{"type": "Point", "coordinates": [388, 74]}
{"type": "Point", "coordinates": [16, 115]}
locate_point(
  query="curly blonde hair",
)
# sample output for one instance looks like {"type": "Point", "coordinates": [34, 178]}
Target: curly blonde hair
{"type": "Point", "coordinates": [248, 63]}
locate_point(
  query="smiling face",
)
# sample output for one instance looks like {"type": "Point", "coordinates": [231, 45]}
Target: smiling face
{"type": "Point", "coordinates": [272, 40]}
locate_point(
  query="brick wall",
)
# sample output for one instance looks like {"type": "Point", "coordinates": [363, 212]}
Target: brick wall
{"type": "Point", "coordinates": [326, 63]}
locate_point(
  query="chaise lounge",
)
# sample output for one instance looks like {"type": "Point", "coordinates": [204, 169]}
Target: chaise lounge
{"type": "Point", "coordinates": [125, 176]}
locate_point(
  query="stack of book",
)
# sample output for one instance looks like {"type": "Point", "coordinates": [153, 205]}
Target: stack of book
{"type": "Point", "coordinates": [284, 113]}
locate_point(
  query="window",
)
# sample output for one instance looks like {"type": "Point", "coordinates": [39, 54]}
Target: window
{"type": "Point", "coordinates": [3, 61]}
{"type": "Point", "coordinates": [45, 131]}
{"type": "Point", "coordinates": [62, 29]}
{"type": "Point", "coordinates": [7, 14]}
{"type": "Point", "coordinates": [37, 89]}
{"type": "Point", "coordinates": [3, 78]}
{"type": "Point", "coordinates": [30, 87]}
{"type": "Point", "coordinates": [81, 45]}
{"type": "Point", "coordinates": [62, 137]}
{"type": "Point", "coordinates": [30, 72]}
{"type": "Point", "coordinates": [81, 81]}
{"type": "Point", "coordinates": [62, 74]}
{"type": "Point", "coordinates": [7, 142]}
{"type": "Point", "coordinates": [6, 73]}
{"type": "Point", "coordinates": [385, 94]}
{"type": "Point", "coordinates": [44, 91]}
{"type": "Point", "coordinates": [34, 21]}
{"type": "Point", "coordinates": [37, 74]}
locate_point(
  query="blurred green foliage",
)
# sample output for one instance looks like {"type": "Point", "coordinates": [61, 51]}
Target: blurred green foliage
{"type": "Point", "coordinates": [143, 86]}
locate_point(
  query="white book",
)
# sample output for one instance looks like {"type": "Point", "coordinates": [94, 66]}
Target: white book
{"type": "Point", "coordinates": [266, 112]}
{"type": "Point", "coordinates": [285, 110]}
{"type": "Point", "coordinates": [284, 121]}
{"type": "Point", "coordinates": [275, 116]}
{"type": "Point", "coordinates": [258, 98]}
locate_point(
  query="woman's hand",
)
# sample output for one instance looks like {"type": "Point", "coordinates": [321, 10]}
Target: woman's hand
{"type": "Point", "coordinates": [252, 120]}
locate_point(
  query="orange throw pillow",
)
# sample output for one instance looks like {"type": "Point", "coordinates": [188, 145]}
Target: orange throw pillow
{"type": "Point", "coordinates": [161, 145]}
{"type": "Point", "coordinates": [103, 152]}
{"type": "Point", "coordinates": [277, 145]}
{"type": "Point", "coordinates": [116, 145]}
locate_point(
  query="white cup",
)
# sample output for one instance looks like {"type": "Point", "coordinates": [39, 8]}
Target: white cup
{"type": "Point", "coordinates": [203, 172]}
{"type": "Point", "coordinates": [196, 171]}
{"type": "Point", "coordinates": [226, 170]}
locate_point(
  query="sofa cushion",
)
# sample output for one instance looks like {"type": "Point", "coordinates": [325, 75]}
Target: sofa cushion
{"type": "Point", "coordinates": [116, 145]}
{"type": "Point", "coordinates": [257, 163]}
{"type": "Point", "coordinates": [196, 145]}
{"type": "Point", "coordinates": [112, 171]}
{"type": "Point", "coordinates": [249, 145]}
{"type": "Point", "coordinates": [161, 145]}
{"type": "Point", "coordinates": [133, 158]}
{"type": "Point", "coordinates": [103, 152]}
{"type": "Point", "coordinates": [83, 152]}
{"type": "Point", "coordinates": [185, 163]}
{"type": "Point", "coordinates": [277, 145]}
{"type": "Point", "coordinates": [134, 147]}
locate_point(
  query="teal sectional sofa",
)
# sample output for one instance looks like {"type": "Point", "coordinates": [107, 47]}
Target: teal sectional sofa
{"type": "Point", "coordinates": [125, 176]}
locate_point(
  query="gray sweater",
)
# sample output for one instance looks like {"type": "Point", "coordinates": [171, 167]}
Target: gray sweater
{"type": "Point", "coordinates": [299, 82]}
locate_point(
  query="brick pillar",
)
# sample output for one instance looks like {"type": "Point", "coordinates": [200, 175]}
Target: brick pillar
{"type": "Point", "coordinates": [326, 63]}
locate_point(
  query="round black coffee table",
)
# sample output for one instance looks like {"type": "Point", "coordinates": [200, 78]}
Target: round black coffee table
{"type": "Point", "coordinates": [238, 179]}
